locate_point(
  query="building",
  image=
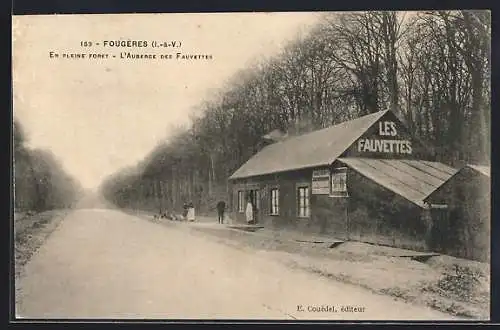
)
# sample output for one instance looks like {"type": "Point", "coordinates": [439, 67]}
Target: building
{"type": "Point", "coordinates": [364, 179]}
{"type": "Point", "coordinates": [462, 205]}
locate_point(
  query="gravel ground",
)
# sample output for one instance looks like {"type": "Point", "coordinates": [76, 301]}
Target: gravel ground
{"type": "Point", "coordinates": [451, 285]}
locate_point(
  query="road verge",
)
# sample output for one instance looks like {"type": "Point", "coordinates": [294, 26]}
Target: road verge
{"type": "Point", "coordinates": [451, 285]}
{"type": "Point", "coordinates": [455, 286]}
{"type": "Point", "coordinates": [30, 232]}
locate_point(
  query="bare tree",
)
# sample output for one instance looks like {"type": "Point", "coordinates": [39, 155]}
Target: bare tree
{"type": "Point", "coordinates": [432, 68]}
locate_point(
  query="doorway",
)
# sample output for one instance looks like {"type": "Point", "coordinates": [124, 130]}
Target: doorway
{"type": "Point", "coordinates": [254, 195]}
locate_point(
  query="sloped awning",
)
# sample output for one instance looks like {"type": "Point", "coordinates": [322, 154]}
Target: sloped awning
{"type": "Point", "coordinates": [412, 179]}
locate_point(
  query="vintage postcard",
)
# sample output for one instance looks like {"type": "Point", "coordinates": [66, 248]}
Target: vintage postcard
{"type": "Point", "coordinates": [252, 166]}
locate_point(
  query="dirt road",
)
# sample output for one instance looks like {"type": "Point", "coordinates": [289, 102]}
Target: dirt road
{"type": "Point", "coordinates": [103, 263]}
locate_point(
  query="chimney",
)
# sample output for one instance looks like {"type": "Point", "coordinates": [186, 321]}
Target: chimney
{"type": "Point", "coordinates": [275, 136]}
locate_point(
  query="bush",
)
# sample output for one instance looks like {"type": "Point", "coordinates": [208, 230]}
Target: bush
{"type": "Point", "coordinates": [461, 283]}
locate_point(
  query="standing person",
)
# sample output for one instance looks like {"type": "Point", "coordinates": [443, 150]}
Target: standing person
{"type": "Point", "coordinates": [249, 212]}
{"type": "Point", "coordinates": [190, 214]}
{"type": "Point", "coordinates": [221, 207]}
{"type": "Point", "coordinates": [185, 210]}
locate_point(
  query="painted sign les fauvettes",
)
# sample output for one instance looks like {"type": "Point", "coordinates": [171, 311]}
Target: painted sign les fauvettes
{"type": "Point", "coordinates": [385, 145]}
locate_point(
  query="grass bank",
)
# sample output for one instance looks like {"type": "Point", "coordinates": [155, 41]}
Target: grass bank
{"type": "Point", "coordinates": [30, 232]}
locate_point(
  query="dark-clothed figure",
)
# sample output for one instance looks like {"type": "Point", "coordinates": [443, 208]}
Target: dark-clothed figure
{"type": "Point", "coordinates": [221, 207]}
{"type": "Point", "coordinates": [185, 211]}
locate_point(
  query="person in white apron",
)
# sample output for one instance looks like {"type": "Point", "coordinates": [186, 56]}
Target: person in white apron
{"type": "Point", "coordinates": [249, 212]}
{"type": "Point", "coordinates": [190, 214]}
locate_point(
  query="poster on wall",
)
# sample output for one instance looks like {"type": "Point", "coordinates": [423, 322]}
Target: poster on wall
{"type": "Point", "coordinates": [321, 182]}
{"type": "Point", "coordinates": [339, 182]}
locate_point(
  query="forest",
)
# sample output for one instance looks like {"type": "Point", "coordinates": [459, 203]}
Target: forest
{"type": "Point", "coordinates": [40, 183]}
{"type": "Point", "coordinates": [431, 68]}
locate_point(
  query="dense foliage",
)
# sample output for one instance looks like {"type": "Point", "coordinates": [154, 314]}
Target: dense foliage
{"type": "Point", "coordinates": [40, 183]}
{"type": "Point", "coordinates": [431, 68]}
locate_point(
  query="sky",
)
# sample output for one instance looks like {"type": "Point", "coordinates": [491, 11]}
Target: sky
{"type": "Point", "coordinates": [100, 115]}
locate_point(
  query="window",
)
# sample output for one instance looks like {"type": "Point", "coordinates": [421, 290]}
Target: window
{"type": "Point", "coordinates": [256, 199]}
{"type": "Point", "coordinates": [275, 201]}
{"type": "Point", "coordinates": [303, 202]}
{"type": "Point", "coordinates": [241, 202]}
{"type": "Point", "coordinates": [339, 182]}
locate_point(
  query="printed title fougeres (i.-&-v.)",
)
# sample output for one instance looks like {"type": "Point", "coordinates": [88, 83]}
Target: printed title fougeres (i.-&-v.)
{"type": "Point", "coordinates": [134, 43]}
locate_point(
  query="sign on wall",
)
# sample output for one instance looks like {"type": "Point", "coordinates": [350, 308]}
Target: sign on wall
{"type": "Point", "coordinates": [386, 142]}
{"type": "Point", "coordinates": [320, 182]}
{"type": "Point", "coordinates": [339, 182]}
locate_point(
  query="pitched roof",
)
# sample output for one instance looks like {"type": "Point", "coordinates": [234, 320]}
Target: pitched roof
{"type": "Point", "coordinates": [485, 170]}
{"type": "Point", "coordinates": [317, 148]}
{"type": "Point", "coordinates": [411, 179]}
